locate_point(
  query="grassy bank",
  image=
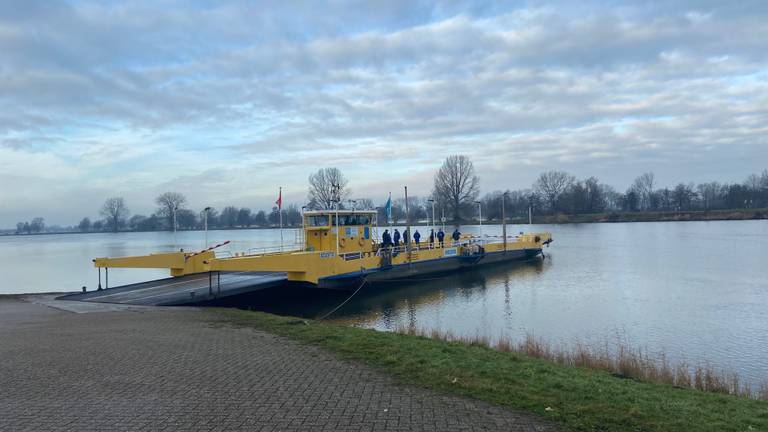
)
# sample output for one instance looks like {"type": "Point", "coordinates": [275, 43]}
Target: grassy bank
{"type": "Point", "coordinates": [617, 357]}
{"type": "Point", "coordinates": [579, 398]}
{"type": "Point", "coordinates": [649, 216]}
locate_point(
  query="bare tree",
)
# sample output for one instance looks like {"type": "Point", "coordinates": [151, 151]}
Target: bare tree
{"type": "Point", "coordinates": [596, 201]}
{"type": "Point", "coordinates": [551, 185]}
{"type": "Point", "coordinates": [170, 203]}
{"type": "Point", "coordinates": [244, 217]}
{"type": "Point", "coordinates": [753, 182]}
{"type": "Point", "coordinates": [37, 225]}
{"type": "Point", "coordinates": [114, 212]}
{"type": "Point", "coordinates": [260, 219]}
{"type": "Point", "coordinates": [228, 216]}
{"type": "Point", "coordinates": [456, 184]}
{"type": "Point", "coordinates": [365, 204]}
{"type": "Point", "coordinates": [683, 196]}
{"type": "Point", "coordinates": [84, 225]}
{"type": "Point", "coordinates": [709, 193]}
{"type": "Point", "coordinates": [186, 219]}
{"type": "Point", "coordinates": [321, 194]}
{"type": "Point", "coordinates": [644, 187]}
{"type": "Point", "coordinates": [292, 215]}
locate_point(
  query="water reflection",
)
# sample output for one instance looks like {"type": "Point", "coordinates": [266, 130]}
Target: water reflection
{"type": "Point", "coordinates": [692, 289]}
{"type": "Point", "coordinates": [392, 305]}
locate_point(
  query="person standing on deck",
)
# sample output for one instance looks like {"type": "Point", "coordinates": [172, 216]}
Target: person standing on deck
{"type": "Point", "coordinates": [406, 236]}
{"type": "Point", "coordinates": [396, 237]}
{"type": "Point", "coordinates": [432, 237]}
{"type": "Point", "coordinates": [440, 237]}
{"type": "Point", "coordinates": [386, 239]}
{"type": "Point", "coordinates": [416, 238]}
{"type": "Point", "coordinates": [456, 236]}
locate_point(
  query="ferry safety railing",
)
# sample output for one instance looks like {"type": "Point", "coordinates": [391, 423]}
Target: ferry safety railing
{"type": "Point", "coordinates": [464, 241]}
{"type": "Point", "coordinates": [447, 243]}
{"type": "Point", "coordinates": [272, 249]}
{"type": "Point", "coordinates": [259, 251]}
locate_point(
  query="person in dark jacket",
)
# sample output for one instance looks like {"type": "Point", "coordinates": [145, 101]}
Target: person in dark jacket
{"type": "Point", "coordinates": [386, 239]}
{"type": "Point", "coordinates": [416, 237]}
{"type": "Point", "coordinates": [440, 237]}
{"type": "Point", "coordinates": [396, 237]}
{"type": "Point", "coordinates": [432, 237]}
{"type": "Point", "coordinates": [406, 236]}
{"type": "Point", "coordinates": [456, 235]}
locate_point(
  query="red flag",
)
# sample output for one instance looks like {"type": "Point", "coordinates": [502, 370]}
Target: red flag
{"type": "Point", "coordinates": [279, 201]}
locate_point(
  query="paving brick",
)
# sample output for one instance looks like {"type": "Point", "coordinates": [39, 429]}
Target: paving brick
{"type": "Point", "coordinates": [170, 370]}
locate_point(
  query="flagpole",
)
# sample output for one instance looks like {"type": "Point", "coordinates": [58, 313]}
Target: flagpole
{"type": "Point", "coordinates": [337, 198]}
{"type": "Point", "coordinates": [280, 215]}
{"type": "Point", "coordinates": [407, 226]}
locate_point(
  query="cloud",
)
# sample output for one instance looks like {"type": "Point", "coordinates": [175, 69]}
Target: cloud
{"type": "Point", "coordinates": [229, 99]}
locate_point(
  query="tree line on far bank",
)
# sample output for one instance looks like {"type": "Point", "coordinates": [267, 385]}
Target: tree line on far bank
{"type": "Point", "coordinates": [116, 217]}
{"type": "Point", "coordinates": [557, 192]}
{"type": "Point", "coordinates": [455, 196]}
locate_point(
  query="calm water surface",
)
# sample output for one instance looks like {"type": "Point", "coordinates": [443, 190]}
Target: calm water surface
{"type": "Point", "coordinates": [695, 290]}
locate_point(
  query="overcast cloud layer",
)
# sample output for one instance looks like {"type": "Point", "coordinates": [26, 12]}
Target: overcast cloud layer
{"type": "Point", "coordinates": [226, 101]}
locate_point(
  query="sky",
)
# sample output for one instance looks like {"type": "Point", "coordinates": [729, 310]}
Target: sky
{"type": "Point", "coordinates": [225, 101]}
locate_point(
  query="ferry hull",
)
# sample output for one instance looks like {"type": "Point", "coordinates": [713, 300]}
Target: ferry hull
{"type": "Point", "coordinates": [424, 268]}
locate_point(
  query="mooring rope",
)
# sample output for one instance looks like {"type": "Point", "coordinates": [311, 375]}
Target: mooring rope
{"type": "Point", "coordinates": [344, 302]}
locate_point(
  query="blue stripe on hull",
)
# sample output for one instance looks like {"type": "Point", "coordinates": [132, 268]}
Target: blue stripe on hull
{"type": "Point", "coordinates": [421, 268]}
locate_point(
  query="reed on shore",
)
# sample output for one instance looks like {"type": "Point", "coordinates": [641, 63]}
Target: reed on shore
{"type": "Point", "coordinates": [617, 357]}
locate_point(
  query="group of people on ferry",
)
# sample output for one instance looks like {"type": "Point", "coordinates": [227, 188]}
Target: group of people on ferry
{"type": "Point", "coordinates": [393, 240]}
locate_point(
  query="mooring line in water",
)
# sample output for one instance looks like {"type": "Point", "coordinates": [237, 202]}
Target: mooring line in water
{"type": "Point", "coordinates": [344, 302]}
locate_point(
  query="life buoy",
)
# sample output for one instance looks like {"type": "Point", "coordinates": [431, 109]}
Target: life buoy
{"type": "Point", "coordinates": [361, 242]}
{"type": "Point", "coordinates": [342, 242]}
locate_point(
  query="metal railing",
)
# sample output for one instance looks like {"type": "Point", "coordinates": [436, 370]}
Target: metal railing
{"type": "Point", "coordinates": [401, 248]}
{"type": "Point", "coordinates": [447, 243]}
{"type": "Point", "coordinates": [274, 249]}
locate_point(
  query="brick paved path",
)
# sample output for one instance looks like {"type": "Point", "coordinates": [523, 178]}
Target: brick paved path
{"type": "Point", "coordinates": [170, 370]}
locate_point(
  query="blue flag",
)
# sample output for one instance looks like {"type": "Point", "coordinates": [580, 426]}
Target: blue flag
{"type": "Point", "coordinates": [388, 208]}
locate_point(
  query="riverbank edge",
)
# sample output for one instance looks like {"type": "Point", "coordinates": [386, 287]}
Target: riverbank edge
{"type": "Point", "coordinates": [677, 216]}
{"type": "Point", "coordinates": [579, 399]}
{"type": "Point", "coordinates": [556, 219]}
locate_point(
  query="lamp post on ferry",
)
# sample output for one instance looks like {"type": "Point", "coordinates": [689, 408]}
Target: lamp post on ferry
{"type": "Point", "coordinates": [504, 219]}
{"type": "Point", "coordinates": [442, 219]}
{"type": "Point", "coordinates": [336, 191]}
{"type": "Point", "coordinates": [303, 229]}
{"type": "Point", "coordinates": [173, 212]}
{"type": "Point", "coordinates": [433, 213]}
{"type": "Point", "coordinates": [530, 210]}
{"type": "Point", "coordinates": [205, 225]}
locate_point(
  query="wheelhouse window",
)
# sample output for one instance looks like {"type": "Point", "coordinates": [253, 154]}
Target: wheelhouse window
{"type": "Point", "coordinates": [352, 220]}
{"type": "Point", "coordinates": [318, 221]}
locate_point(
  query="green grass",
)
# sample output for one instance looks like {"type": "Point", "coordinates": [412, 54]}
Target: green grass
{"type": "Point", "coordinates": [580, 399]}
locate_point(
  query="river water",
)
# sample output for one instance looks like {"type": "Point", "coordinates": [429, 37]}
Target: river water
{"type": "Point", "coordinates": [695, 290]}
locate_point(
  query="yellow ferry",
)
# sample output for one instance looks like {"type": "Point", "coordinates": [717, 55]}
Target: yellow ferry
{"type": "Point", "coordinates": [340, 248]}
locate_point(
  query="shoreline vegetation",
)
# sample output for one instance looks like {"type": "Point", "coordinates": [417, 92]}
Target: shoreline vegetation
{"type": "Point", "coordinates": [575, 388]}
{"type": "Point", "coordinates": [556, 219]}
{"type": "Point", "coordinates": [619, 358]}
{"type": "Point", "coordinates": [555, 197]}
